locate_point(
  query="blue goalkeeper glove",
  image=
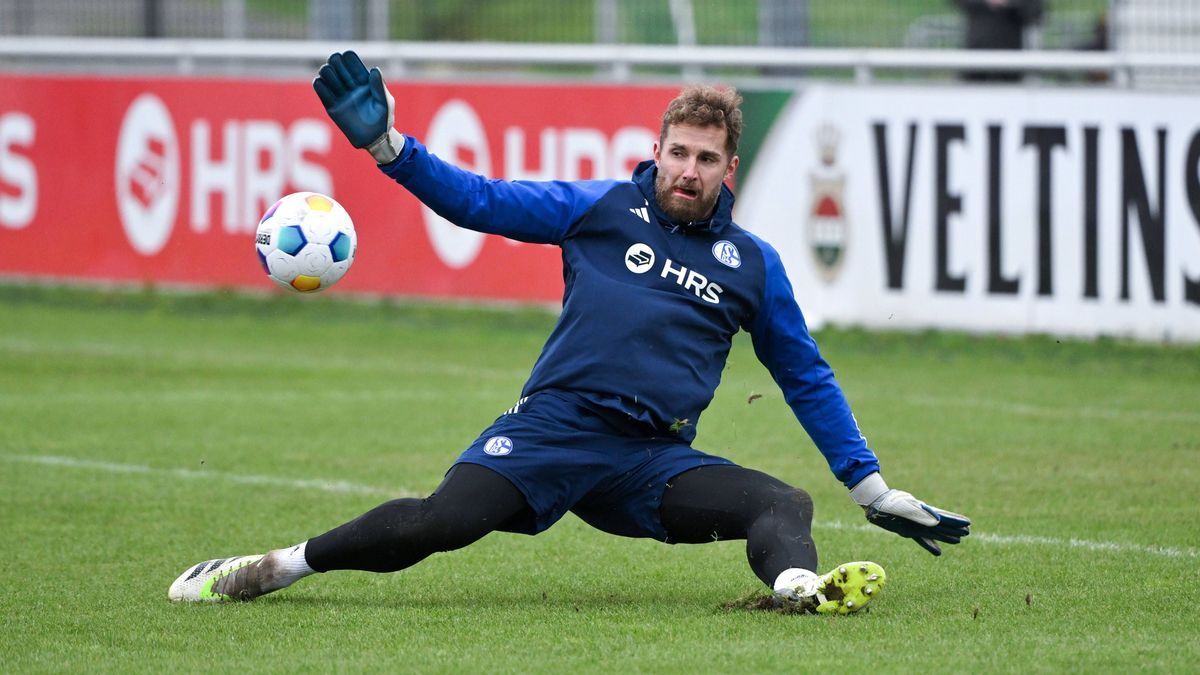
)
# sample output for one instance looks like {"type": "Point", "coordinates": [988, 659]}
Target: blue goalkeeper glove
{"type": "Point", "coordinates": [360, 105]}
{"type": "Point", "coordinates": [902, 513]}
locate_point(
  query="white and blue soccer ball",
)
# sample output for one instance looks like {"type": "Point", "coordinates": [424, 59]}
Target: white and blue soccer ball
{"type": "Point", "coordinates": [306, 242]}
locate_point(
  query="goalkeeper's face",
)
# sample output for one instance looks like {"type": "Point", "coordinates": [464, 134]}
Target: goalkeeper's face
{"type": "Point", "coordinates": [692, 163]}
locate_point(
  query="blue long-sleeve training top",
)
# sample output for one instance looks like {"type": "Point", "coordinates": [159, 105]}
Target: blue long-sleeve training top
{"type": "Point", "coordinates": [650, 307]}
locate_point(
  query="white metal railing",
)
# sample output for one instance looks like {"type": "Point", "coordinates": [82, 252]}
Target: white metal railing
{"type": "Point", "coordinates": [615, 62]}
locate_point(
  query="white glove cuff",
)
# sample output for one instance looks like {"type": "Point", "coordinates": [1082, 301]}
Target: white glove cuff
{"type": "Point", "coordinates": [868, 490]}
{"type": "Point", "coordinates": [387, 147]}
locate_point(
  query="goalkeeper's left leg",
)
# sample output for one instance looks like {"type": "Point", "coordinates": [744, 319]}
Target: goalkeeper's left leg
{"type": "Point", "coordinates": [711, 503]}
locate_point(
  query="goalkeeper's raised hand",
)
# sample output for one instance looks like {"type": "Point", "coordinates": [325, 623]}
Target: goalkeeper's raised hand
{"type": "Point", "coordinates": [904, 514]}
{"type": "Point", "coordinates": [359, 105]}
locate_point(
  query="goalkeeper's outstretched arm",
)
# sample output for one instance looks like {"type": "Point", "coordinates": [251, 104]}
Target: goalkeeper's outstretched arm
{"type": "Point", "coordinates": [359, 103]}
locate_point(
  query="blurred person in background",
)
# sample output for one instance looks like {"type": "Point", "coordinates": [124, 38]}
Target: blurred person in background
{"type": "Point", "coordinates": [1097, 42]}
{"type": "Point", "coordinates": [997, 24]}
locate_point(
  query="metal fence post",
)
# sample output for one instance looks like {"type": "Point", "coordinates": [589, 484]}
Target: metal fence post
{"type": "Point", "coordinates": [607, 18]}
{"type": "Point", "coordinates": [783, 23]}
{"type": "Point", "coordinates": [330, 20]}
{"type": "Point", "coordinates": [152, 18]}
{"type": "Point", "coordinates": [378, 20]}
{"type": "Point", "coordinates": [234, 19]}
{"type": "Point", "coordinates": [684, 18]}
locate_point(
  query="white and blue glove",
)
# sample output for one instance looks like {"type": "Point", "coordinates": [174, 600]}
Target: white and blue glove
{"type": "Point", "coordinates": [360, 105]}
{"type": "Point", "coordinates": [907, 516]}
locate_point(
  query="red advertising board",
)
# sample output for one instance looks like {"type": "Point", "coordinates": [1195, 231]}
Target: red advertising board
{"type": "Point", "coordinates": [163, 180]}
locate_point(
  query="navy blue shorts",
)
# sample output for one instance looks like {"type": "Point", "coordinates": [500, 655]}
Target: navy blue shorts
{"type": "Point", "coordinates": [564, 457]}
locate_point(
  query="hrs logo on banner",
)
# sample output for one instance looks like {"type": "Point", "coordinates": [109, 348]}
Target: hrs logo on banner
{"type": "Point", "coordinates": [147, 174]}
{"type": "Point", "coordinates": [460, 134]}
{"type": "Point", "coordinates": [18, 173]}
{"type": "Point", "coordinates": [254, 162]}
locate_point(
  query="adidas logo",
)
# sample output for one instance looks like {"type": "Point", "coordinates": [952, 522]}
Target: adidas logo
{"type": "Point", "coordinates": [641, 212]}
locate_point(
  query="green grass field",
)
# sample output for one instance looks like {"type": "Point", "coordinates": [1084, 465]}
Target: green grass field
{"type": "Point", "coordinates": [143, 432]}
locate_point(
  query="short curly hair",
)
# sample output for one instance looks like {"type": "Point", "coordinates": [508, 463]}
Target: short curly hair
{"type": "Point", "coordinates": [706, 106]}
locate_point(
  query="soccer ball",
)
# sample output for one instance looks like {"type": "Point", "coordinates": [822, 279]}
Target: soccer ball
{"type": "Point", "coordinates": [306, 242]}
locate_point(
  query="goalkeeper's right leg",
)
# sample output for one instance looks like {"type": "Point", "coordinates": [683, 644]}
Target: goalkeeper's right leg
{"type": "Point", "coordinates": [471, 502]}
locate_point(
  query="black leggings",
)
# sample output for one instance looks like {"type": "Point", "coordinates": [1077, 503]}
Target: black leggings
{"type": "Point", "coordinates": [471, 502]}
{"type": "Point", "coordinates": [705, 504]}
{"type": "Point", "coordinates": [712, 503]}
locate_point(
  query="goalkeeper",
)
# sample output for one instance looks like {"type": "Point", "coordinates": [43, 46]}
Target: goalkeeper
{"type": "Point", "coordinates": [658, 281]}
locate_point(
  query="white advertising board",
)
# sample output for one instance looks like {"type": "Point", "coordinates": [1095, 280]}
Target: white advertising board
{"type": "Point", "coordinates": [1016, 210]}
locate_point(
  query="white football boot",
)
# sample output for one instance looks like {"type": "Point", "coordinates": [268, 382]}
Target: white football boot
{"type": "Point", "coordinates": [224, 580]}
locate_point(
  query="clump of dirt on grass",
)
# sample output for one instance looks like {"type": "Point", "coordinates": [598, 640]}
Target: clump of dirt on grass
{"type": "Point", "coordinates": [759, 601]}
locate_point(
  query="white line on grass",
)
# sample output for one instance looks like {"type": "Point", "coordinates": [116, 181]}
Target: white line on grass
{"type": "Point", "coordinates": [355, 488]}
{"type": "Point", "coordinates": [244, 395]}
{"type": "Point", "coordinates": [1058, 412]}
{"type": "Point", "coordinates": [1033, 540]}
{"type": "Point", "coordinates": [260, 359]}
{"type": "Point", "coordinates": [204, 474]}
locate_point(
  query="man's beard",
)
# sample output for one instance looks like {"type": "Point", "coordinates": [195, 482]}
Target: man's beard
{"type": "Point", "coordinates": [680, 210]}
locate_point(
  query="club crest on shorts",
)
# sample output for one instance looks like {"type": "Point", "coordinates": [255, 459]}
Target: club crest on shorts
{"type": "Point", "coordinates": [727, 254]}
{"type": "Point", "coordinates": [498, 445]}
